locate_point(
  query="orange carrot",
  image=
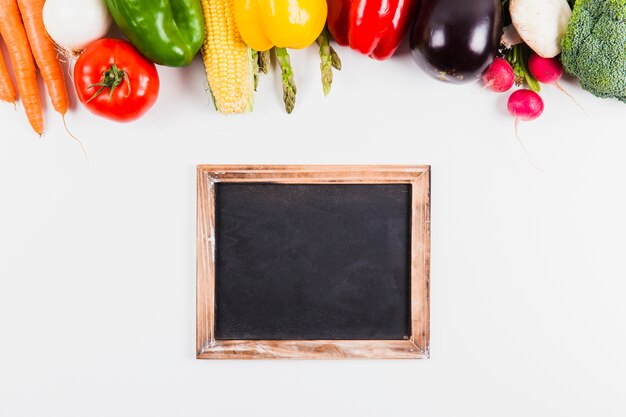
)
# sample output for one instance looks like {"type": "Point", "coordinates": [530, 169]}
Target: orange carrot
{"type": "Point", "coordinates": [7, 91]}
{"type": "Point", "coordinates": [44, 52]}
{"type": "Point", "coordinates": [12, 30]}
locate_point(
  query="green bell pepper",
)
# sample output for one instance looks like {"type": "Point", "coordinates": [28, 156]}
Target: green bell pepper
{"type": "Point", "coordinates": [167, 32]}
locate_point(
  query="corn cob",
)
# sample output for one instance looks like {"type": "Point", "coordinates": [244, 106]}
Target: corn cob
{"type": "Point", "coordinates": [228, 61]}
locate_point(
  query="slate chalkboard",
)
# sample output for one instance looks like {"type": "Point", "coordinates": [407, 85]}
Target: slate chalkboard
{"type": "Point", "coordinates": [312, 261]}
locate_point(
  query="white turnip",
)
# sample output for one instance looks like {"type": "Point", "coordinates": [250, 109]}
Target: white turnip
{"type": "Point", "coordinates": [541, 24]}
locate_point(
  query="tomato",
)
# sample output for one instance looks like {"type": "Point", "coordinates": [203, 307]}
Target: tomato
{"type": "Point", "coordinates": [114, 80]}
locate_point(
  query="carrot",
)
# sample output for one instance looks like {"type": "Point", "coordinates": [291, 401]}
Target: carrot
{"type": "Point", "coordinates": [45, 53]}
{"type": "Point", "coordinates": [12, 30]}
{"type": "Point", "coordinates": [7, 91]}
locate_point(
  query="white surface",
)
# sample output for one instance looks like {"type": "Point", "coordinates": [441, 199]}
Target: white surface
{"type": "Point", "coordinates": [97, 262]}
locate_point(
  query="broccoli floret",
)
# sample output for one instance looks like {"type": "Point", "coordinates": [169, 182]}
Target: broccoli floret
{"type": "Point", "coordinates": [594, 47]}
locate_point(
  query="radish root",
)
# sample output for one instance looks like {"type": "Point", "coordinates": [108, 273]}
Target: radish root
{"type": "Point", "coordinates": [519, 139]}
{"type": "Point", "coordinates": [567, 93]}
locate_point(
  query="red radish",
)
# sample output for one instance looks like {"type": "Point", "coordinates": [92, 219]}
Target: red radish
{"type": "Point", "coordinates": [548, 71]}
{"type": "Point", "coordinates": [499, 77]}
{"type": "Point", "coordinates": [525, 105]}
{"type": "Point", "coordinates": [545, 70]}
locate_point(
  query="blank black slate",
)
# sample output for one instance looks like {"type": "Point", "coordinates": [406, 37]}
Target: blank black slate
{"type": "Point", "coordinates": [312, 261]}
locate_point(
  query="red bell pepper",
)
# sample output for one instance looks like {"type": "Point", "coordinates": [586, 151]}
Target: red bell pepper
{"type": "Point", "coordinates": [372, 27]}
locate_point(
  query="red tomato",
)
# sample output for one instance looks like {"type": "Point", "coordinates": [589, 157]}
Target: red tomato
{"type": "Point", "coordinates": [114, 80]}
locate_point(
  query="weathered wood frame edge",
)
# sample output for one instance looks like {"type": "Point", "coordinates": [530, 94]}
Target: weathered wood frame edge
{"type": "Point", "coordinates": [418, 346]}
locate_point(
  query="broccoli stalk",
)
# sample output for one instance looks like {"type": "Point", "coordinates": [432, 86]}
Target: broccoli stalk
{"type": "Point", "coordinates": [593, 47]}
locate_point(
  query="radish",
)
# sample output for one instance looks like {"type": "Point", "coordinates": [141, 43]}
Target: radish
{"type": "Point", "coordinates": [499, 77]}
{"type": "Point", "coordinates": [548, 71]}
{"type": "Point", "coordinates": [525, 105]}
{"type": "Point", "coordinates": [545, 70]}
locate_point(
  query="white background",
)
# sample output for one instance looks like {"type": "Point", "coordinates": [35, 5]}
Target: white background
{"type": "Point", "coordinates": [97, 262]}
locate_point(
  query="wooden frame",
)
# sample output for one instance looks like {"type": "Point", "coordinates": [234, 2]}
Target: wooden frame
{"type": "Point", "coordinates": [417, 346]}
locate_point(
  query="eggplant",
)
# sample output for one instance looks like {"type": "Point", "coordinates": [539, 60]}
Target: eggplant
{"type": "Point", "coordinates": [456, 40]}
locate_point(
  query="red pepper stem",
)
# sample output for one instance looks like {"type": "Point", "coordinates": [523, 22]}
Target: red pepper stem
{"type": "Point", "coordinates": [111, 79]}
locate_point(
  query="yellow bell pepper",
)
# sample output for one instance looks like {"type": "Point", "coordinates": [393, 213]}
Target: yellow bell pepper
{"type": "Point", "coordinates": [292, 24]}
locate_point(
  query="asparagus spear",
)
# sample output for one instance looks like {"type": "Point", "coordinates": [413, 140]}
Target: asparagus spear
{"type": "Point", "coordinates": [264, 61]}
{"type": "Point", "coordinates": [329, 60]}
{"type": "Point", "coordinates": [334, 58]}
{"type": "Point", "coordinates": [289, 85]}
{"type": "Point", "coordinates": [255, 68]}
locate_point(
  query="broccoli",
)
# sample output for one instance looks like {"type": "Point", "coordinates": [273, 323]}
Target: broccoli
{"type": "Point", "coordinates": [594, 47]}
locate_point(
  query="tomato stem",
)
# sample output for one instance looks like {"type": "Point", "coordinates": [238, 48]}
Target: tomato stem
{"type": "Point", "coordinates": [111, 79]}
